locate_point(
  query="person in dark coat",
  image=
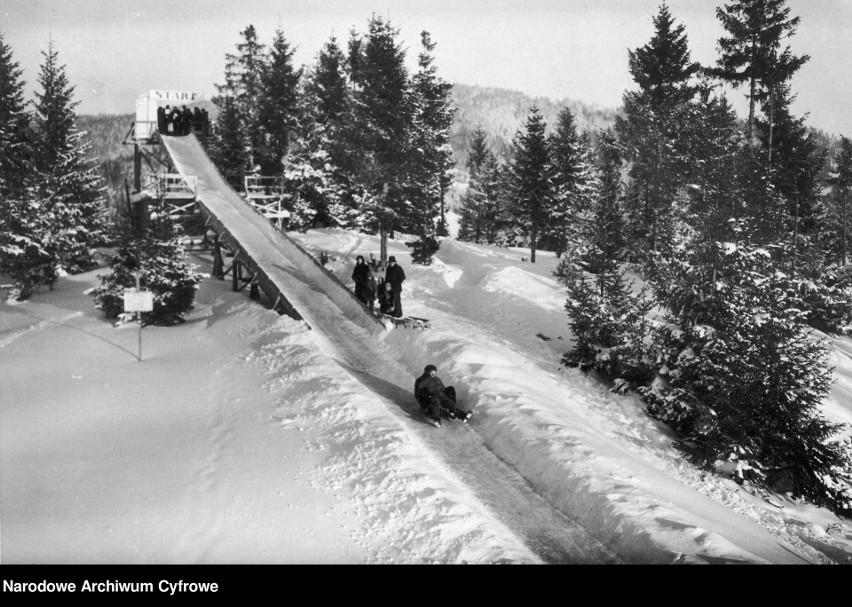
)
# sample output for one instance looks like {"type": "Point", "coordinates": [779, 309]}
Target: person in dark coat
{"type": "Point", "coordinates": [372, 286]}
{"type": "Point", "coordinates": [386, 298]}
{"type": "Point", "coordinates": [361, 274]}
{"type": "Point", "coordinates": [161, 120]}
{"type": "Point", "coordinates": [205, 122]}
{"type": "Point", "coordinates": [169, 130]}
{"type": "Point", "coordinates": [434, 398]}
{"type": "Point", "coordinates": [175, 120]}
{"type": "Point", "coordinates": [197, 121]}
{"type": "Point", "coordinates": [186, 115]}
{"type": "Point", "coordinates": [395, 276]}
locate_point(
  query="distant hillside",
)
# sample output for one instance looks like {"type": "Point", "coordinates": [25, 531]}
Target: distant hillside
{"type": "Point", "coordinates": [501, 113]}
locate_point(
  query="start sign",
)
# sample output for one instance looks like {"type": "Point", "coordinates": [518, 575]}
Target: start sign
{"type": "Point", "coordinates": [138, 301]}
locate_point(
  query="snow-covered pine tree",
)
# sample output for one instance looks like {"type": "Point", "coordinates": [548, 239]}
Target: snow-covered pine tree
{"type": "Point", "coordinates": [651, 131]}
{"type": "Point", "coordinates": [14, 125]}
{"type": "Point", "coordinates": [606, 228]}
{"type": "Point", "coordinates": [751, 51]}
{"type": "Point", "coordinates": [740, 377]}
{"type": "Point", "coordinates": [278, 107]}
{"type": "Point", "coordinates": [380, 136]}
{"type": "Point", "coordinates": [325, 112]}
{"type": "Point", "coordinates": [434, 120]}
{"type": "Point", "coordinates": [243, 89]}
{"type": "Point", "coordinates": [532, 172]}
{"type": "Point", "coordinates": [474, 201]}
{"type": "Point", "coordinates": [229, 147]}
{"type": "Point", "coordinates": [313, 194]}
{"type": "Point", "coordinates": [566, 157]}
{"type": "Point", "coordinates": [718, 152]}
{"type": "Point", "coordinates": [794, 161]}
{"type": "Point", "coordinates": [27, 251]}
{"type": "Point", "coordinates": [23, 222]}
{"type": "Point", "coordinates": [159, 258]}
{"type": "Point", "coordinates": [841, 183]}
{"type": "Point", "coordinates": [328, 83]}
{"type": "Point", "coordinates": [328, 101]}
{"type": "Point", "coordinates": [65, 177]}
{"type": "Point", "coordinates": [610, 329]}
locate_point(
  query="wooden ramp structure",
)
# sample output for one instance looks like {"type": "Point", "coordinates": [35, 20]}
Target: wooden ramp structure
{"type": "Point", "coordinates": [290, 276]}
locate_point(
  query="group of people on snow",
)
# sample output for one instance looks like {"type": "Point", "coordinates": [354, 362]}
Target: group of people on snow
{"type": "Point", "coordinates": [370, 287]}
{"type": "Point", "coordinates": [182, 121]}
{"type": "Point", "coordinates": [432, 396]}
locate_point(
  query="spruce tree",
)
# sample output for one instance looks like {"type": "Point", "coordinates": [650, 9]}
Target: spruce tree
{"type": "Point", "coordinates": [532, 173]}
{"type": "Point", "coordinates": [14, 124]}
{"type": "Point", "coordinates": [277, 105]}
{"type": "Point", "coordinates": [793, 160]}
{"type": "Point", "coordinates": [328, 83]}
{"type": "Point", "coordinates": [433, 120]}
{"type": "Point", "coordinates": [751, 53]}
{"type": "Point", "coordinates": [322, 160]}
{"type": "Point", "coordinates": [487, 193]}
{"type": "Point", "coordinates": [27, 250]}
{"type": "Point", "coordinates": [55, 116]}
{"type": "Point", "coordinates": [230, 145]}
{"type": "Point", "coordinates": [478, 154]}
{"type": "Point", "coordinates": [607, 236]}
{"type": "Point", "coordinates": [653, 126]}
{"type": "Point", "coordinates": [571, 181]}
{"type": "Point", "coordinates": [23, 223]}
{"type": "Point", "coordinates": [380, 135]}
{"type": "Point", "coordinates": [841, 183]}
{"type": "Point", "coordinates": [718, 155]}
{"type": "Point", "coordinates": [478, 201]}
{"type": "Point", "coordinates": [158, 258]}
{"type": "Point", "coordinates": [243, 88]}
{"type": "Point", "coordinates": [67, 179]}
{"type": "Point", "coordinates": [743, 379]}
{"type": "Point", "coordinates": [331, 107]}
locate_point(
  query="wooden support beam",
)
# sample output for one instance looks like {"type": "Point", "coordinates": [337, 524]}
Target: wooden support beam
{"type": "Point", "coordinates": [218, 262]}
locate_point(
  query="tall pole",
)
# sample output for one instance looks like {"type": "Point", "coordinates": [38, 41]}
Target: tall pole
{"type": "Point", "coordinates": [139, 316]}
{"type": "Point", "coordinates": [845, 212]}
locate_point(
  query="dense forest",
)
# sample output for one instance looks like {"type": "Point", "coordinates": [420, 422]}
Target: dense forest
{"type": "Point", "coordinates": [701, 250]}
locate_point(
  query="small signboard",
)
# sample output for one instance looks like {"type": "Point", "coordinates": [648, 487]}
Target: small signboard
{"type": "Point", "coordinates": [138, 301]}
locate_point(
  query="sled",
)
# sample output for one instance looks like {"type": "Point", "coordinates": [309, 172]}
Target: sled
{"type": "Point", "coordinates": [446, 414]}
{"type": "Point", "coordinates": [409, 322]}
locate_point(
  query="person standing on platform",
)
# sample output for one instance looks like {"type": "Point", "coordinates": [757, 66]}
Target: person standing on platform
{"type": "Point", "coordinates": [197, 121]}
{"type": "Point", "coordinates": [161, 120]}
{"type": "Point", "coordinates": [174, 119]}
{"type": "Point", "coordinates": [168, 117]}
{"type": "Point", "coordinates": [187, 120]}
{"type": "Point", "coordinates": [205, 122]}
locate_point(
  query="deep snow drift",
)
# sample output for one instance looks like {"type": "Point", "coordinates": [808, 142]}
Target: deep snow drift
{"type": "Point", "coordinates": [245, 437]}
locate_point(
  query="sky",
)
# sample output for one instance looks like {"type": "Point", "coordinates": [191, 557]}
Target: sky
{"type": "Point", "coordinates": [115, 50]}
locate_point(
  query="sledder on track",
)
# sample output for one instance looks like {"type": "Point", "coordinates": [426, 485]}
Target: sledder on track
{"type": "Point", "coordinates": [434, 399]}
